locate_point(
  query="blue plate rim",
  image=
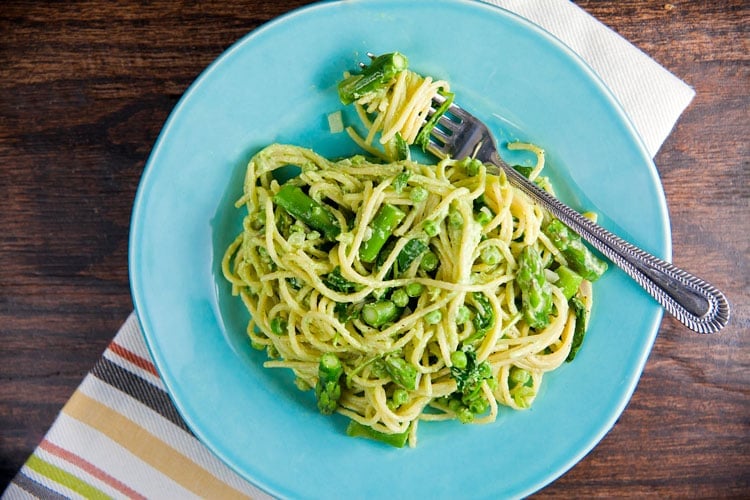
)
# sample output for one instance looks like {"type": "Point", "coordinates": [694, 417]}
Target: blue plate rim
{"type": "Point", "coordinates": [150, 167]}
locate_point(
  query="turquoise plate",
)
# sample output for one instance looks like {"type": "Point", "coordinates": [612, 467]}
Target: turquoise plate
{"type": "Point", "coordinates": [278, 85]}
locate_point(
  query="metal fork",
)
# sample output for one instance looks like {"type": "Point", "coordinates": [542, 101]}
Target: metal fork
{"type": "Point", "coordinates": [695, 303]}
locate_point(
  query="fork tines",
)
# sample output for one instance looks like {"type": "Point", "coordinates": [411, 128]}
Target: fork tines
{"type": "Point", "coordinates": [447, 124]}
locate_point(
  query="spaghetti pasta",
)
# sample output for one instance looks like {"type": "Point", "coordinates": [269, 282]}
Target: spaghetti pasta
{"type": "Point", "coordinates": [283, 269]}
{"type": "Point", "coordinates": [402, 291]}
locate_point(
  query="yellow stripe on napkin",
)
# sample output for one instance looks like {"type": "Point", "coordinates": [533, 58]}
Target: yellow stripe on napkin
{"type": "Point", "coordinates": [147, 447]}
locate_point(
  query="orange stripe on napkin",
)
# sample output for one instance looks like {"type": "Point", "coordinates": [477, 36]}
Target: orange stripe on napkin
{"type": "Point", "coordinates": [148, 447]}
{"type": "Point", "coordinates": [133, 358]}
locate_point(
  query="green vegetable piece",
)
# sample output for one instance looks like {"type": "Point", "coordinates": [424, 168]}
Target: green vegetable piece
{"type": "Point", "coordinates": [536, 293]}
{"type": "Point", "coordinates": [455, 220]}
{"type": "Point", "coordinates": [471, 166]}
{"type": "Point", "coordinates": [401, 147]}
{"type": "Point", "coordinates": [336, 282]}
{"type": "Point", "coordinates": [462, 315]}
{"type": "Point", "coordinates": [429, 261]}
{"type": "Point", "coordinates": [418, 194]}
{"type": "Point", "coordinates": [374, 77]}
{"type": "Point", "coordinates": [580, 330]}
{"type": "Point", "coordinates": [301, 206]}
{"type": "Point", "coordinates": [523, 395]}
{"type": "Point", "coordinates": [400, 297]}
{"type": "Point", "coordinates": [355, 429]}
{"type": "Point", "coordinates": [579, 257]}
{"type": "Point", "coordinates": [491, 255]}
{"type": "Point", "coordinates": [345, 312]}
{"type": "Point", "coordinates": [469, 375]}
{"type": "Point", "coordinates": [379, 313]}
{"type": "Point", "coordinates": [278, 325]}
{"type": "Point", "coordinates": [459, 359]}
{"type": "Point", "coordinates": [411, 251]}
{"type": "Point", "coordinates": [328, 387]}
{"type": "Point", "coordinates": [568, 281]}
{"type": "Point", "coordinates": [295, 283]}
{"type": "Point", "coordinates": [472, 373]}
{"type": "Point", "coordinates": [431, 228]}
{"type": "Point", "coordinates": [484, 317]}
{"type": "Point", "coordinates": [382, 226]}
{"type": "Point", "coordinates": [518, 376]}
{"type": "Point", "coordinates": [483, 216]}
{"type": "Point", "coordinates": [464, 414]}
{"type": "Point", "coordinates": [399, 183]}
{"type": "Point", "coordinates": [400, 397]}
{"type": "Point", "coordinates": [433, 317]}
{"type": "Point", "coordinates": [414, 289]}
{"type": "Point", "coordinates": [523, 170]}
{"type": "Point", "coordinates": [423, 137]}
{"type": "Point", "coordinates": [401, 371]}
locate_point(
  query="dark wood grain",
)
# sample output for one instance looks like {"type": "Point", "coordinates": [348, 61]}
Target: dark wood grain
{"type": "Point", "coordinates": [85, 87]}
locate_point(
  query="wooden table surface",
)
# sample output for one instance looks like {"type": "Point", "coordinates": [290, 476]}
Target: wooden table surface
{"type": "Point", "coordinates": [85, 87]}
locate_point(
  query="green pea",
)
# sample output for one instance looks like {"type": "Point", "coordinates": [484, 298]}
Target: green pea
{"type": "Point", "coordinates": [400, 297]}
{"type": "Point", "coordinates": [459, 359]}
{"type": "Point", "coordinates": [414, 289]}
{"type": "Point", "coordinates": [433, 317]}
{"type": "Point", "coordinates": [418, 194]}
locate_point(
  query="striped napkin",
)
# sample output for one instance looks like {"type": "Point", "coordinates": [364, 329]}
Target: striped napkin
{"type": "Point", "coordinates": [119, 436]}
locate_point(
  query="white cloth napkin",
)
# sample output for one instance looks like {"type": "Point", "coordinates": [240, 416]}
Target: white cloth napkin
{"type": "Point", "coordinates": [652, 97]}
{"type": "Point", "coordinates": [119, 435]}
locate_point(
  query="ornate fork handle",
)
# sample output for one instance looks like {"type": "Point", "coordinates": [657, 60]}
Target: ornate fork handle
{"type": "Point", "coordinates": [697, 304]}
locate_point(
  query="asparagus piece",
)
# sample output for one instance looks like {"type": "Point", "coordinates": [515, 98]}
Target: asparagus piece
{"type": "Point", "coordinates": [382, 225]}
{"type": "Point", "coordinates": [300, 205]}
{"type": "Point", "coordinates": [328, 387]}
{"type": "Point", "coordinates": [536, 294]}
{"type": "Point", "coordinates": [579, 257]}
{"type": "Point", "coordinates": [401, 371]}
{"type": "Point", "coordinates": [374, 77]}
{"type": "Point", "coordinates": [400, 147]}
{"type": "Point", "coordinates": [399, 183]}
{"type": "Point", "coordinates": [379, 313]}
{"type": "Point", "coordinates": [355, 429]}
{"type": "Point", "coordinates": [568, 281]}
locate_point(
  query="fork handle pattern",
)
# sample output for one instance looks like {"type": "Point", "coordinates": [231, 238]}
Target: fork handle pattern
{"type": "Point", "coordinates": [695, 303]}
